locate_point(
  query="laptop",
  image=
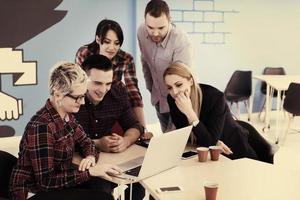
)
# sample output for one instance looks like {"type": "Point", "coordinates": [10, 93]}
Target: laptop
{"type": "Point", "coordinates": [164, 152]}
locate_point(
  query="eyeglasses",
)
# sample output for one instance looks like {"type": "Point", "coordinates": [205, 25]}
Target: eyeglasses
{"type": "Point", "coordinates": [76, 98]}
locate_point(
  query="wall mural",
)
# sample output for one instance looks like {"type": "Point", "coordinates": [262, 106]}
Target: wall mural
{"type": "Point", "coordinates": [22, 21]}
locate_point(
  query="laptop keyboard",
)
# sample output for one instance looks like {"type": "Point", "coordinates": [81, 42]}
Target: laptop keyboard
{"type": "Point", "coordinates": [134, 171]}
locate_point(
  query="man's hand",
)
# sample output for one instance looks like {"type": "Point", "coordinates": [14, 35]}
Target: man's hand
{"type": "Point", "coordinates": [104, 143]}
{"type": "Point", "coordinates": [119, 143]}
{"type": "Point", "coordinates": [147, 135]}
{"type": "Point", "coordinates": [104, 170]}
{"type": "Point", "coordinates": [86, 163]}
{"type": "Point", "coordinates": [112, 143]}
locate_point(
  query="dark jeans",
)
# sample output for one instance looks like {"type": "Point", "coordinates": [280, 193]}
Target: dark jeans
{"type": "Point", "coordinates": [95, 188]}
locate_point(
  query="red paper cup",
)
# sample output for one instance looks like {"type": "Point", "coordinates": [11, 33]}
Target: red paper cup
{"type": "Point", "coordinates": [215, 152]}
{"type": "Point", "coordinates": [211, 189]}
{"type": "Point", "coordinates": [202, 154]}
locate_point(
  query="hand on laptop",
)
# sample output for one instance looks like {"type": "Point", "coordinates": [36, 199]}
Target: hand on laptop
{"type": "Point", "coordinates": [86, 163]}
{"type": "Point", "coordinates": [104, 170]}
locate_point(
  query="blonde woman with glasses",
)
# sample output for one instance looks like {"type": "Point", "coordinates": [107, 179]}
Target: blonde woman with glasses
{"type": "Point", "coordinates": [44, 166]}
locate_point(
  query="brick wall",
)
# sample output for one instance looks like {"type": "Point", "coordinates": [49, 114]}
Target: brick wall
{"type": "Point", "coordinates": [200, 19]}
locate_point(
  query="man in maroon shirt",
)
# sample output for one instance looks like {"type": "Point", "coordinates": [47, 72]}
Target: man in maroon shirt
{"type": "Point", "coordinates": [106, 104]}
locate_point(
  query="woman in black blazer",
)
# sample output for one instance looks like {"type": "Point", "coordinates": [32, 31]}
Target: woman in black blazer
{"type": "Point", "coordinates": [206, 109]}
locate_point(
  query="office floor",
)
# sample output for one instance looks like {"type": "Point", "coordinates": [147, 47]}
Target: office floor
{"type": "Point", "coordinates": [283, 123]}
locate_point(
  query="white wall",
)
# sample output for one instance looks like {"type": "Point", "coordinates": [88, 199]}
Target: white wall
{"type": "Point", "coordinates": [262, 33]}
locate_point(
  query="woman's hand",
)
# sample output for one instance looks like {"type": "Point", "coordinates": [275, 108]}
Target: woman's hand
{"type": "Point", "coordinates": [86, 163]}
{"type": "Point", "coordinates": [184, 104]}
{"type": "Point", "coordinates": [224, 147]}
{"type": "Point", "coordinates": [105, 171]}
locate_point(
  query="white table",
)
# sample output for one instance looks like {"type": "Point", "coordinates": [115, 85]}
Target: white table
{"type": "Point", "coordinates": [279, 83]}
{"type": "Point", "coordinates": [239, 179]}
{"type": "Point", "coordinates": [135, 151]}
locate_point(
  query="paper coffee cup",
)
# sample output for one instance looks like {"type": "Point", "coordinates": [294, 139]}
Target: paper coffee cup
{"type": "Point", "coordinates": [215, 152]}
{"type": "Point", "coordinates": [211, 189]}
{"type": "Point", "coordinates": [202, 154]}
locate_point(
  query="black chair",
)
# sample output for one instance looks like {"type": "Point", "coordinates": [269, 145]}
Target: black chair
{"type": "Point", "coordinates": [291, 103]}
{"type": "Point", "coordinates": [263, 88]}
{"type": "Point", "coordinates": [239, 89]}
{"type": "Point", "coordinates": [6, 131]}
{"type": "Point", "coordinates": [7, 162]}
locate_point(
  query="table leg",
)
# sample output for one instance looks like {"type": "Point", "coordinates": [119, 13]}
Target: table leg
{"type": "Point", "coordinates": [278, 103]}
{"type": "Point", "coordinates": [267, 117]}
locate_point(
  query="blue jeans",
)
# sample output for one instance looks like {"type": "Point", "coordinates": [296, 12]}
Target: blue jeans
{"type": "Point", "coordinates": [165, 120]}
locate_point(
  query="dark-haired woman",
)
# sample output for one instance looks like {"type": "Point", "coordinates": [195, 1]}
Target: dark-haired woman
{"type": "Point", "coordinates": [108, 41]}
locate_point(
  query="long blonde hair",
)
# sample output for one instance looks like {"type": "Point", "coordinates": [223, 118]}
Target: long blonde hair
{"type": "Point", "coordinates": [183, 71]}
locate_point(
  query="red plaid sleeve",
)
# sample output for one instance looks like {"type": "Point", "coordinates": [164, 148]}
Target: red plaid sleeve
{"type": "Point", "coordinates": [51, 159]}
{"type": "Point", "coordinates": [87, 145]}
{"type": "Point", "coordinates": [132, 82]}
{"type": "Point", "coordinates": [82, 53]}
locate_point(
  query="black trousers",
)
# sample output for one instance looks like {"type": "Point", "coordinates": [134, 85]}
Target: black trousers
{"type": "Point", "coordinates": [95, 188]}
{"type": "Point", "coordinates": [259, 145]}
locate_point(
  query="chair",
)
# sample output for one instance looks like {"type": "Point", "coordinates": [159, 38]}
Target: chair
{"type": "Point", "coordinates": [291, 103]}
{"type": "Point", "coordinates": [6, 131]}
{"type": "Point", "coordinates": [239, 89]}
{"type": "Point", "coordinates": [7, 162]}
{"type": "Point", "coordinates": [263, 88]}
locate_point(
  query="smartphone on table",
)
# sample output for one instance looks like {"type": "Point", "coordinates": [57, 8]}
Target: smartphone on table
{"type": "Point", "coordinates": [188, 154]}
{"type": "Point", "coordinates": [169, 189]}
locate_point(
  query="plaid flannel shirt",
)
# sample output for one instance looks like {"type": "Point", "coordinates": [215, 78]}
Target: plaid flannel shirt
{"type": "Point", "coordinates": [46, 151]}
{"type": "Point", "coordinates": [98, 120]}
{"type": "Point", "coordinates": [123, 64]}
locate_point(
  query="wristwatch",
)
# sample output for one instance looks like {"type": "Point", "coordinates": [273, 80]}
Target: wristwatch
{"type": "Point", "coordinates": [195, 123]}
{"type": "Point", "coordinates": [145, 130]}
